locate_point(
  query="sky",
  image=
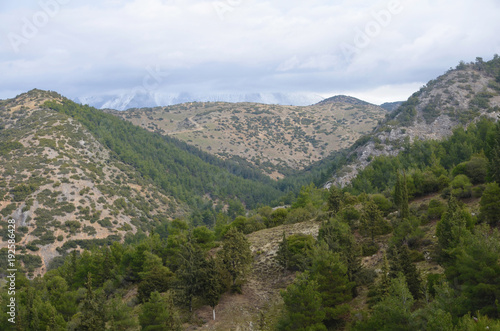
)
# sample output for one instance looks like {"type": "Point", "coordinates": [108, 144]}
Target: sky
{"type": "Point", "coordinates": [378, 51]}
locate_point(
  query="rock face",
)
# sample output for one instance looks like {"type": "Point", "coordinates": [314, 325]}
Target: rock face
{"type": "Point", "coordinates": [455, 99]}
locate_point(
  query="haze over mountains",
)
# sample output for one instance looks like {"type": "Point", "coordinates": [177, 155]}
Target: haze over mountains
{"type": "Point", "coordinates": [140, 97]}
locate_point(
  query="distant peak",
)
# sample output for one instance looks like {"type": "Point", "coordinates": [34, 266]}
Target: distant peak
{"type": "Point", "coordinates": [343, 99]}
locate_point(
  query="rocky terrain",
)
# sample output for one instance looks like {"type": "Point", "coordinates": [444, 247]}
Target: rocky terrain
{"type": "Point", "coordinates": [453, 100]}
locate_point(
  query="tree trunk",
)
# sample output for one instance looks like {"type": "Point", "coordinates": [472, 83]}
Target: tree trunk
{"type": "Point", "coordinates": [213, 312]}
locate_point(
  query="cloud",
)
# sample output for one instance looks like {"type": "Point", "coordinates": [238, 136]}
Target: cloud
{"type": "Point", "coordinates": [95, 47]}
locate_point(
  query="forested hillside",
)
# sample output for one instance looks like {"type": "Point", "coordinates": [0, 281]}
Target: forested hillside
{"type": "Point", "coordinates": [417, 249]}
{"type": "Point", "coordinates": [119, 228]}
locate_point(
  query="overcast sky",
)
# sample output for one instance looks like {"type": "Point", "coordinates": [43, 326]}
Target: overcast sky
{"type": "Point", "coordinates": [379, 52]}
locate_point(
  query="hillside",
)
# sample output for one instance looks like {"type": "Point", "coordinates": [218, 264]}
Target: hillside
{"type": "Point", "coordinates": [276, 139]}
{"type": "Point", "coordinates": [457, 98]}
{"type": "Point", "coordinates": [63, 187]}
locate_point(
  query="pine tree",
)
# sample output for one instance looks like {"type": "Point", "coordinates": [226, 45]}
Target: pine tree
{"type": "Point", "coordinates": [410, 272]}
{"type": "Point", "coordinates": [397, 192]}
{"type": "Point", "coordinates": [371, 220]}
{"type": "Point", "coordinates": [236, 257]}
{"type": "Point", "coordinates": [212, 283]}
{"type": "Point", "coordinates": [283, 253]}
{"type": "Point", "coordinates": [451, 228]}
{"type": "Point", "coordinates": [92, 309]}
{"type": "Point", "coordinates": [405, 210]}
{"type": "Point", "coordinates": [303, 306]}
{"type": "Point", "coordinates": [189, 273]}
{"type": "Point", "coordinates": [490, 204]}
{"type": "Point", "coordinates": [335, 200]}
{"type": "Point", "coordinates": [339, 238]}
{"type": "Point", "coordinates": [385, 281]}
{"type": "Point", "coordinates": [331, 275]}
{"type": "Point", "coordinates": [159, 313]}
{"type": "Point", "coordinates": [494, 156]}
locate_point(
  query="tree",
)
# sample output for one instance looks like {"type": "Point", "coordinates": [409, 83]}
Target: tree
{"type": "Point", "coordinates": [405, 210]}
{"type": "Point", "coordinates": [331, 275]}
{"type": "Point", "coordinates": [120, 315]}
{"type": "Point", "coordinates": [335, 200]}
{"type": "Point", "coordinates": [451, 228]}
{"type": "Point", "coordinates": [155, 277]}
{"type": "Point", "coordinates": [494, 155]}
{"type": "Point", "coordinates": [212, 283]}
{"type": "Point", "coordinates": [303, 306]}
{"type": "Point", "coordinates": [236, 257]}
{"type": "Point", "coordinates": [490, 204]}
{"type": "Point", "coordinates": [339, 238]}
{"type": "Point", "coordinates": [401, 263]}
{"type": "Point", "coordinates": [283, 253]}
{"type": "Point", "coordinates": [372, 221]}
{"type": "Point", "coordinates": [190, 273]}
{"type": "Point", "coordinates": [393, 312]}
{"type": "Point", "coordinates": [385, 281]}
{"type": "Point", "coordinates": [475, 271]}
{"type": "Point", "coordinates": [92, 309]}
{"type": "Point", "coordinates": [159, 314]}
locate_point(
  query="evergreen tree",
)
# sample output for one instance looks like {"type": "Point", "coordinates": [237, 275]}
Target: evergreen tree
{"type": "Point", "coordinates": [335, 200]}
{"type": "Point", "coordinates": [397, 192]}
{"type": "Point", "coordinates": [236, 257]}
{"type": "Point", "coordinates": [385, 281]}
{"type": "Point", "coordinates": [393, 312]}
{"type": "Point", "coordinates": [92, 318]}
{"type": "Point", "coordinates": [212, 283]}
{"type": "Point", "coordinates": [410, 272]}
{"type": "Point", "coordinates": [451, 228]}
{"type": "Point", "coordinates": [155, 277]}
{"type": "Point", "coordinates": [283, 253]}
{"type": "Point", "coordinates": [371, 220]}
{"type": "Point", "coordinates": [303, 306]}
{"type": "Point", "coordinates": [490, 204]}
{"type": "Point", "coordinates": [339, 238]}
{"type": "Point", "coordinates": [494, 155]}
{"type": "Point", "coordinates": [159, 314]}
{"type": "Point", "coordinates": [405, 210]}
{"type": "Point", "coordinates": [335, 289]}
{"type": "Point", "coordinates": [190, 272]}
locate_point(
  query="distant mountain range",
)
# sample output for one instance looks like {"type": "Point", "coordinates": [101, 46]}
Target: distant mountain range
{"type": "Point", "coordinates": [139, 99]}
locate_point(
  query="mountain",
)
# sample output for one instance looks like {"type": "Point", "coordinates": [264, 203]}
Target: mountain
{"type": "Point", "coordinates": [454, 99]}
{"type": "Point", "coordinates": [276, 139]}
{"type": "Point", "coordinates": [74, 176]}
{"type": "Point", "coordinates": [390, 106]}
{"type": "Point", "coordinates": [343, 99]}
{"type": "Point", "coordinates": [140, 98]}
{"type": "Point", "coordinates": [63, 187]}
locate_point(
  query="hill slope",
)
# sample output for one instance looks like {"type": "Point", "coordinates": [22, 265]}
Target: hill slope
{"type": "Point", "coordinates": [276, 139]}
{"type": "Point", "coordinates": [60, 184]}
{"type": "Point", "coordinates": [457, 98]}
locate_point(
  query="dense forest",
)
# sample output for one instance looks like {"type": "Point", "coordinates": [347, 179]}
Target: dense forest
{"type": "Point", "coordinates": [182, 265]}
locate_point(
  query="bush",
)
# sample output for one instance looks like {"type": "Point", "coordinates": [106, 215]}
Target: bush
{"type": "Point", "coordinates": [461, 187]}
{"type": "Point", "coordinates": [369, 248]}
{"type": "Point", "coordinates": [436, 209]}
